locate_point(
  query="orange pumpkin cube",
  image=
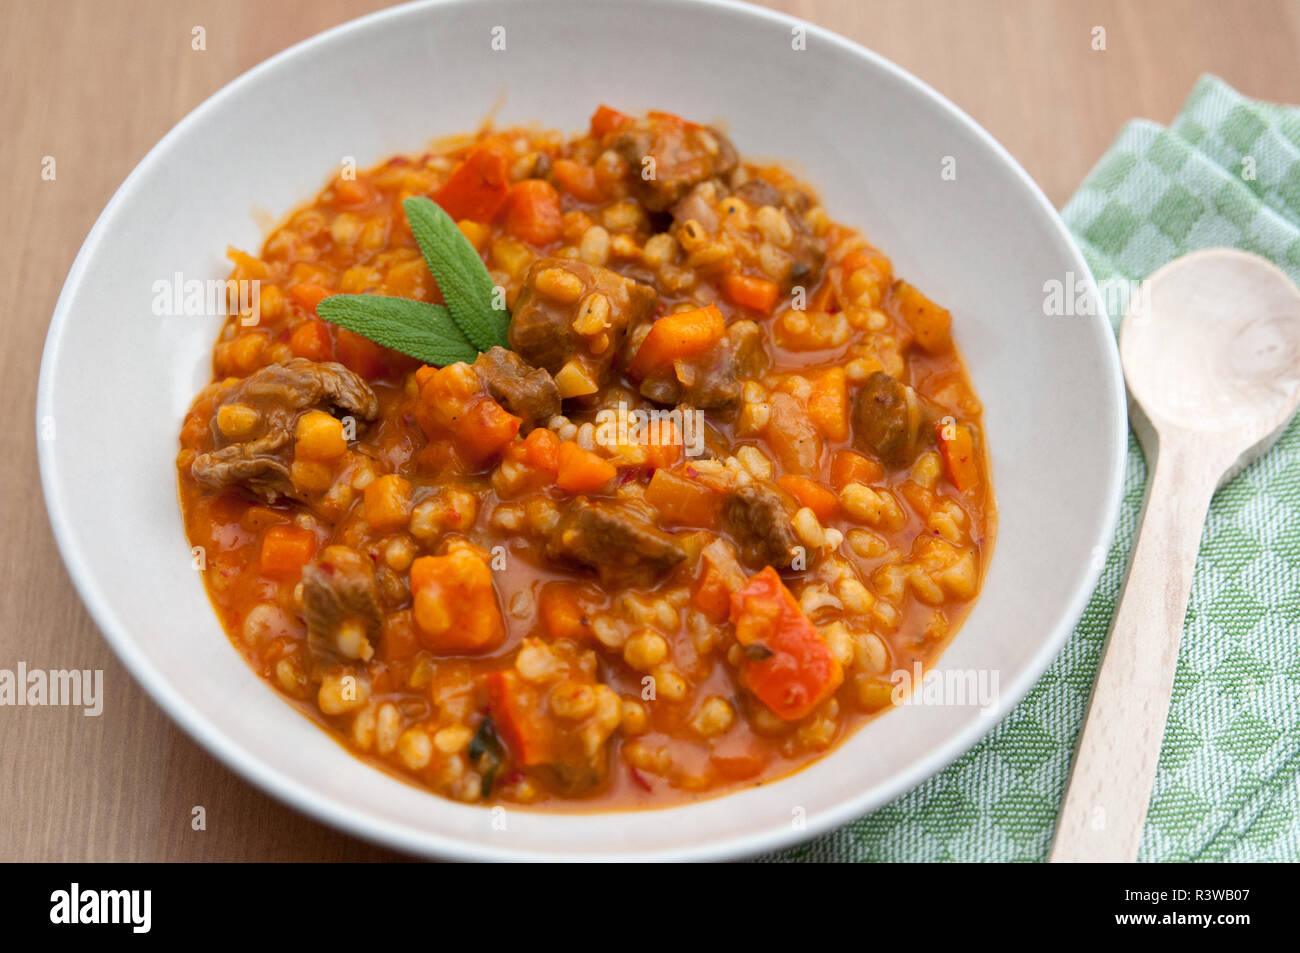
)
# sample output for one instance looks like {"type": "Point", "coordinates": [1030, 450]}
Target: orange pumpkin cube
{"type": "Point", "coordinates": [456, 610]}
{"type": "Point", "coordinates": [388, 502]}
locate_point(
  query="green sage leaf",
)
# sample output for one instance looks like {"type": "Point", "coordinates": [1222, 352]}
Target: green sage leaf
{"type": "Point", "coordinates": [462, 277]}
{"type": "Point", "coordinates": [422, 330]}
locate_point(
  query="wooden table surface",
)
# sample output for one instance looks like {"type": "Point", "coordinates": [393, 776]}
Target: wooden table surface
{"type": "Point", "coordinates": [96, 84]}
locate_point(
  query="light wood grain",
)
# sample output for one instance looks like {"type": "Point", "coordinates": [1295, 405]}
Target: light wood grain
{"type": "Point", "coordinates": [95, 84]}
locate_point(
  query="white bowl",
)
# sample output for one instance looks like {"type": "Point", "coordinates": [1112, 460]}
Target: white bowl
{"type": "Point", "coordinates": [116, 380]}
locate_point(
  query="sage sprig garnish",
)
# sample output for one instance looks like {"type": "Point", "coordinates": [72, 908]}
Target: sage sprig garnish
{"type": "Point", "coordinates": [460, 273]}
{"type": "Point", "coordinates": [432, 333]}
{"type": "Point", "coordinates": [422, 330]}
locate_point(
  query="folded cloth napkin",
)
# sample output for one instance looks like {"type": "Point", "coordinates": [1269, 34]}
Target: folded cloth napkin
{"type": "Point", "coordinates": [1227, 172]}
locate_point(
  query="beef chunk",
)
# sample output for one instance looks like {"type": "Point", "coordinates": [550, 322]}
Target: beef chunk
{"type": "Point", "coordinates": [611, 537]}
{"type": "Point", "coordinates": [806, 252]}
{"type": "Point", "coordinates": [278, 395]}
{"type": "Point", "coordinates": [708, 382]}
{"type": "Point", "coordinates": [683, 154]}
{"type": "Point", "coordinates": [792, 436]}
{"type": "Point", "coordinates": [748, 352]}
{"type": "Point", "coordinates": [299, 383]}
{"type": "Point", "coordinates": [571, 317]}
{"type": "Point", "coordinates": [257, 466]}
{"type": "Point", "coordinates": [758, 192]}
{"type": "Point", "coordinates": [712, 381]}
{"type": "Point", "coordinates": [527, 392]}
{"type": "Point", "coordinates": [633, 271]}
{"type": "Point", "coordinates": [340, 603]}
{"type": "Point", "coordinates": [757, 516]}
{"type": "Point", "coordinates": [698, 206]}
{"type": "Point", "coordinates": [887, 419]}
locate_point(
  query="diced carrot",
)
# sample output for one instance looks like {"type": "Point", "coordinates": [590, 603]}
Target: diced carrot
{"type": "Point", "coordinates": [578, 180]}
{"type": "Point", "coordinates": [738, 767]}
{"type": "Point", "coordinates": [850, 467]}
{"type": "Point", "coordinates": [533, 212]}
{"type": "Point", "coordinates": [738, 757]}
{"type": "Point", "coordinates": [788, 666]}
{"type": "Point", "coordinates": [811, 494]}
{"type": "Point", "coordinates": [486, 430]}
{"type": "Point", "coordinates": [517, 711]}
{"type": "Point", "coordinates": [257, 518]}
{"type": "Point", "coordinates": [311, 340]}
{"type": "Point", "coordinates": [931, 324]}
{"type": "Point", "coordinates": [399, 640]}
{"type": "Point", "coordinates": [749, 292]}
{"type": "Point", "coordinates": [957, 448]}
{"type": "Point", "coordinates": [580, 470]}
{"type": "Point", "coordinates": [719, 575]}
{"type": "Point", "coordinates": [388, 502]}
{"type": "Point", "coordinates": [605, 120]}
{"type": "Point", "coordinates": [455, 603]}
{"type": "Point", "coordinates": [352, 193]}
{"type": "Point", "coordinates": [285, 550]}
{"type": "Point", "coordinates": [682, 500]}
{"type": "Point", "coordinates": [542, 450]}
{"type": "Point", "coordinates": [828, 404]}
{"type": "Point", "coordinates": [667, 117]}
{"type": "Point", "coordinates": [711, 595]}
{"type": "Point", "coordinates": [477, 188]}
{"type": "Point", "coordinates": [679, 336]}
{"type": "Point", "coordinates": [308, 295]}
{"type": "Point", "coordinates": [360, 355]}
{"type": "Point", "coordinates": [563, 613]}
{"type": "Point", "coordinates": [666, 447]}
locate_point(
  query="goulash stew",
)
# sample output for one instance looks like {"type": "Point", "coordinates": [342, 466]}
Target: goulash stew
{"type": "Point", "coordinates": [719, 478]}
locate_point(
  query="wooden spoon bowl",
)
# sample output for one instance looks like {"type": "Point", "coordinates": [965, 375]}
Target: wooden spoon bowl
{"type": "Point", "coordinates": [1211, 355]}
{"type": "Point", "coordinates": [1211, 350]}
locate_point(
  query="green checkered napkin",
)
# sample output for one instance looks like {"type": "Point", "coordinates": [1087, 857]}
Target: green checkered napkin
{"type": "Point", "coordinates": [1227, 172]}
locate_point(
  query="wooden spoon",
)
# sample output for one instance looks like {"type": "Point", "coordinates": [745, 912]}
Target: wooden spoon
{"type": "Point", "coordinates": [1211, 354]}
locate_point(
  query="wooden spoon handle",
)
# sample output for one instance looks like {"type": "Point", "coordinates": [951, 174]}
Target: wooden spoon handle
{"type": "Point", "coordinates": [1115, 766]}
